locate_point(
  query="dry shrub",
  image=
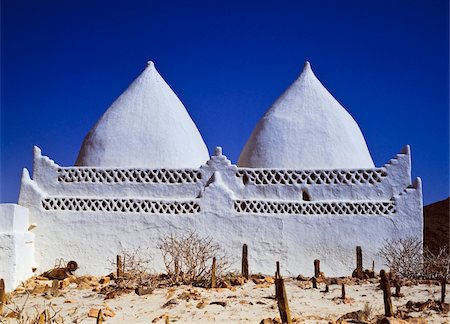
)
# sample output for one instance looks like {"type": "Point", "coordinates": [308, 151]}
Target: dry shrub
{"type": "Point", "coordinates": [436, 265]}
{"type": "Point", "coordinates": [403, 257]}
{"type": "Point", "coordinates": [137, 271]}
{"type": "Point", "coordinates": [188, 258]}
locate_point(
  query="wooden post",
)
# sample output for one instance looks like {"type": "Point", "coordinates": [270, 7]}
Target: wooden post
{"type": "Point", "coordinates": [343, 292]}
{"type": "Point", "coordinates": [316, 268]}
{"type": "Point", "coordinates": [55, 288]}
{"type": "Point", "coordinates": [119, 266]}
{"type": "Point", "coordinates": [2, 295]}
{"type": "Point", "coordinates": [386, 287]}
{"type": "Point", "coordinates": [278, 268]}
{"type": "Point", "coordinates": [213, 273]}
{"type": "Point", "coordinates": [314, 282]}
{"type": "Point", "coordinates": [397, 287]}
{"type": "Point", "coordinates": [359, 263]}
{"type": "Point", "coordinates": [373, 266]}
{"type": "Point", "coordinates": [443, 282]}
{"type": "Point", "coordinates": [100, 317]}
{"type": "Point", "coordinates": [245, 261]}
{"type": "Point", "coordinates": [167, 319]}
{"type": "Point", "coordinates": [327, 289]}
{"type": "Point", "coordinates": [282, 300]}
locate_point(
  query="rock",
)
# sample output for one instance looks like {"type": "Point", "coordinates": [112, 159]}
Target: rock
{"type": "Point", "coordinates": [170, 303]}
{"type": "Point", "coordinates": [269, 280]}
{"type": "Point", "coordinates": [143, 291]}
{"type": "Point", "coordinates": [238, 281]}
{"type": "Point", "coordinates": [302, 278]}
{"type": "Point", "coordinates": [40, 289]}
{"type": "Point", "coordinates": [266, 321]}
{"type": "Point", "coordinates": [69, 301]}
{"type": "Point", "coordinates": [257, 281]}
{"type": "Point", "coordinates": [104, 280]}
{"type": "Point", "coordinates": [57, 273]}
{"type": "Point", "coordinates": [391, 320]}
{"type": "Point", "coordinates": [202, 304]}
{"type": "Point", "coordinates": [356, 316]}
{"type": "Point", "coordinates": [220, 303]}
{"type": "Point", "coordinates": [93, 312]}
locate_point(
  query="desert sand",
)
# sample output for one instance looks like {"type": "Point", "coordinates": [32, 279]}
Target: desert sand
{"type": "Point", "coordinates": [247, 303]}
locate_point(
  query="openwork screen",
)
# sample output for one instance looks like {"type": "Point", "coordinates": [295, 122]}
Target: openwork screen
{"type": "Point", "coordinates": [120, 205]}
{"type": "Point", "coordinates": [281, 177]}
{"type": "Point", "coordinates": [93, 175]}
{"type": "Point", "coordinates": [314, 208]}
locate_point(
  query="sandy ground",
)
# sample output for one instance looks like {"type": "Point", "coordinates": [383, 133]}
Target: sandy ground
{"type": "Point", "coordinates": [249, 303]}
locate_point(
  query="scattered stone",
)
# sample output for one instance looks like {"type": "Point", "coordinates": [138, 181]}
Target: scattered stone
{"type": "Point", "coordinates": [69, 301]}
{"type": "Point", "coordinates": [104, 280]}
{"type": "Point", "coordinates": [170, 303]}
{"type": "Point", "coordinates": [143, 291]}
{"type": "Point", "coordinates": [93, 312]}
{"type": "Point", "coordinates": [202, 304]}
{"type": "Point", "coordinates": [266, 321]}
{"type": "Point", "coordinates": [220, 303]}
{"type": "Point", "coordinates": [355, 316]}
{"type": "Point", "coordinates": [257, 281]}
{"type": "Point", "coordinates": [269, 280]}
{"type": "Point", "coordinates": [108, 312]}
{"type": "Point", "coordinates": [302, 278]}
{"type": "Point", "coordinates": [237, 281]}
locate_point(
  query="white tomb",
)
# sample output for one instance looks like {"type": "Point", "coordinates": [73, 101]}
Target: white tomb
{"type": "Point", "coordinates": [305, 188]}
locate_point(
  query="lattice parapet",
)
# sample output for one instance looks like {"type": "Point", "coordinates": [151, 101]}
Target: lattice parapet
{"type": "Point", "coordinates": [95, 175]}
{"type": "Point", "coordinates": [315, 208]}
{"type": "Point", "coordinates": [282, 177]}
{"type": "Point", "coordinates": [120, 205]}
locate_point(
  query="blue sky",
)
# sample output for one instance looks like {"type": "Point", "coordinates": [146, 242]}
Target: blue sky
{"type": "Point", "coordinates": [387, 62]}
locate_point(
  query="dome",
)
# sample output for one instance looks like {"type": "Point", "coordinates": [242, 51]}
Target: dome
{"type": "Point", "coordinates": [306, 128]}
{"type": "Point", "coordinates": [147, 127]}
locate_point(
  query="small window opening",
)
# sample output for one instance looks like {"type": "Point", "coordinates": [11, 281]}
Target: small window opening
{"type": "Point", "coordinates": [305, 196]}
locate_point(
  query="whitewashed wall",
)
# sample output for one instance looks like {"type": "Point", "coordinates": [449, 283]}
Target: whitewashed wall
{"type": "Point", "coordinates": [90, 214]}
{"type": "Point", "coordinates": [16, 245]}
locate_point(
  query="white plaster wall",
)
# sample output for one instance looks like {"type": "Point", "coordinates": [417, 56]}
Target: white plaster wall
{"type": "Point", "coordinates": [93, 238]}
{"type": "Point", "coordinates": [16, 245]}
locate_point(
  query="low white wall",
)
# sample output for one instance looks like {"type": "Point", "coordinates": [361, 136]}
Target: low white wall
{"type": "Point", "coordinates": [16, 245]}
{"type": "Point", "coordinates": [82, 222]}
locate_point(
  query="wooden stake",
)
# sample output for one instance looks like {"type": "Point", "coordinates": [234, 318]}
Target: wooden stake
{"type": "Point", "coordinates": [167, 319]}
{"type": "Point", "coordinates": [213, 273]}
{"type": "Point", "coordinates": [373, 265]}
{"type": "Point", "coordinates": [359, 263]}
{"type": "Point", "coordinates": [100, 317]}
{"type": "Point", "coordinates": [443, 282]}
{"type": "Point", "coordinates": [278, 268]}
{"type": "Point", "coordinates": [55, 288]}
{"type": "Point", "coordinates": [386, 287]}
{"type": "Point", "coordinates": [343, 292]}
{"type": "Point", "coordinates": [2, 295]}
{"type": "Point", "coordinates": [397, 287]}
{"type": "Point", "coordinates": [327, 289]}
{"type": "Point", "coordinates": [282, 300]}
{"type": "Point", "coordinates": [119, 266]}
{"type": "Point", "coordinates": [245, 261]}
{"type": "Point", "coordinates": [316, 268]}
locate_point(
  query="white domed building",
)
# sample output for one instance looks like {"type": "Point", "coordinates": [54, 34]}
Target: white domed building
{"type": "Point", "coordinates": [305, 187]}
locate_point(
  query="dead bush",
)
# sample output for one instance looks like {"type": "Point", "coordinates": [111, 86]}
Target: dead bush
{"type": "Point", "coordinates": [436, 265]}
{"type": "Point", "coordinates": [188, 258]}
{"type": "Point", "coordinates": [136, 272]}
{"type": "Point", "coordinates": [403, 257]}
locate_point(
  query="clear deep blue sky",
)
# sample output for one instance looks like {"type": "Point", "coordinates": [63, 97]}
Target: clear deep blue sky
{"type": "Point", "coordinates": [387, 62]}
